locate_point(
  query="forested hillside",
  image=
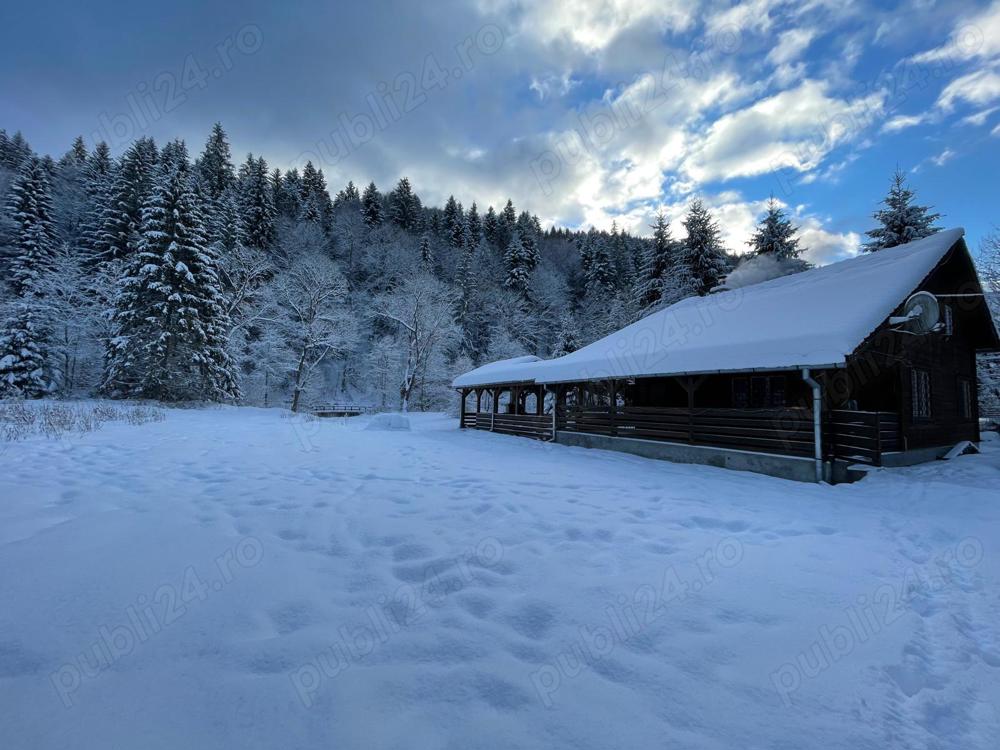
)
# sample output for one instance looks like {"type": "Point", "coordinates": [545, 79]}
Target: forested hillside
{"type": "Point", "coordinates": [166, 275]}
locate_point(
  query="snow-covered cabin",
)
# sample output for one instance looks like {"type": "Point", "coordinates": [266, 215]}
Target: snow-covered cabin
{"type": "Point", "coordinates": [801, 376]}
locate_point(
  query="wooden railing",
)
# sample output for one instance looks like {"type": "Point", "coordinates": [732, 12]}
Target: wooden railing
{"type": "Point", "coordinates": [862, 436]}
{"type": "Point", "coordinates": [788, 431]}
{"type": "Point", "coordinates": [523, 425]}
{"type": "Point", "coordinates": [859, 436]}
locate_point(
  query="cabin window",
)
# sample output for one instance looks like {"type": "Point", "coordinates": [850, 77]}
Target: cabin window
{"type": "Point", "coordinates": [948, 317]}
{"type": "Point", "coordinates": [920, 382]}
{"type": "Point", "coordinates": [759, 391]}
{"type": "Point", "coordinates": [965, 397]}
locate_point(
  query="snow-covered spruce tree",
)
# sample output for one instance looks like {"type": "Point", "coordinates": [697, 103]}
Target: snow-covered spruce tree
{"type": "Point", "coordinates": [174, 156]}
{"type": "Point", "coordinates": [215, 166]}
{"type": "Point", "coordinates": [657, 260]}
{"type": "Point", "coordinates": [287, 192]}
{"type": "Point", "coordinates": [703, 253]}
{"type": "Point", "coordinates": [118, 236]}
{"type": "Point", "coordinates": [316, 204]}
{"type": "Point", "coordinates": [22, 352]}
{"type": "Point", "coordinates": [348, 198]}
{"type": "Point", "coordinates": [774, 235]}
{"type": "Point", "coordinates": [598, 272]}
{"type": "Point", "coordinates": [426, 254]}
{"type": "Point", "coordinates": [567, 336]}
{"type": "Point", "coordinates": [518, 265]}
{"type": "Point", "coordinates": [170, 322]}
{"type": "Point", "coordinates": [30, 208]}
{"type": "Point", "coordinates": [454, 221]}
{"type": "Point", "coordinates": [256, 203]}
{"type": "Point", "coordinates": [14, 151]}
{"type": "Point", "coordinates": [901, 220]}
{"type": "Point", "coordinates": [371, 206]}
{"type": "Point", "coordinates": [98, 179]}
{"type": "Point", "coordinates": [404, 206]}
{"type": "Point", "coordinates": [527, 230]}
{"type": "Point", "coordinates": [491, 227]}
{"type": "Point", "coordinates": [473, 226]}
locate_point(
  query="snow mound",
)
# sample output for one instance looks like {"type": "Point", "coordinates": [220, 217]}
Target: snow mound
{"type": "Point", "coordinates": [389, 422]}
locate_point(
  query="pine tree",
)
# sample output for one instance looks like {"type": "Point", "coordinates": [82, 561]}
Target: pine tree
{"type": "Point", "coordinates": [316, 205]}
{"type": "Point", "coordinates": [527, 229]}
{"type": "Point", "coordinates": [517, 261]}
{"type": "Point", "coordinates": [14, 151]}
{"type": "Point", "coordinates": [30, 207]}
{"type": "Point", "coordinates": [348, 198]}
{"type": "Point", "coordinates": [598, 273]}
{"type": "Point", "coordinates": [567, 337]}
{"type": "Point", "coordinates": [22, 353]}
{"type": "Point", "coordinates": [426, 255]}
{"type": "Point", "coordinates": [118, 234]}
{"type": "Point", "coordinates": [775, 235]}
{"type": "Point", "coordinates": [901, 220]}
{"type": "Point", "coordinates": [98, 176]}
{"type": "Point", "coordinates": [215, 167]}
{"type": "Point", "coordinates": [404, 206]}
{"type": "Point", "coordinates": [454, 220]}
{"type": "Point", "coordinates": [473, 226]}
{"type": "Point", "coordinates": [506, 224]}
{"type": "Point", "coordinates": [657, 261]}
{"type": "Point", "coordinates": [491, 227]}
{"type": "Point", "coordinates": [169, 319]}
{"type": "Point", "coordinates": [174, 156]}
{"type": "Point", "coordinates": [288, 198]}
{"type": "Point", "coordinates": [703, 254]}
{"type": "Point", "coordinates": [371, 206]}
{"type": "Point", "coordinates": [257, 203]}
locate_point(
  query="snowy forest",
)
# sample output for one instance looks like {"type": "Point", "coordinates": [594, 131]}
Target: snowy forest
{"type": "Point", "coordinates": [162, 275]}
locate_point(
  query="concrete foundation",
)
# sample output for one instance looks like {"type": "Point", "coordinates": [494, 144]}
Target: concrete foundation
{"type": "Point", "coordinates": [775, 465]}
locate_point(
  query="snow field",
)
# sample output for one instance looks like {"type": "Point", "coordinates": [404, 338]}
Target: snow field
{"type": "Point", "coordinates": [234, 578]}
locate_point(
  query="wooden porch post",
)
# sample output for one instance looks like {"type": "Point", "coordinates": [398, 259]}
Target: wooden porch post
{"type": "Point", "coordinates": [613, 407]}
{"type": "Point", "coordinates": [461, 414]}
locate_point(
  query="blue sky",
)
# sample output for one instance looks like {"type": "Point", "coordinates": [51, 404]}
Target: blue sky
{"type": "Point", "coordinates": [583, 112]}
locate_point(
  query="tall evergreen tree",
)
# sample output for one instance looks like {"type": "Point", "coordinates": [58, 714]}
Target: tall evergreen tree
{"type": "Point", "coordinates": [527, 229]}
{"type": "Point", "coordinates": [288, 198]}
{"type": "Point", "coordinates": [491, 227]}
{"type": "Point", "coordinates": [170, 321]}
{"type": "Point", "coordinates": [517, 261]}
{"type": "Point", "coordinates": [703, 255]}
{"type": "Point", "coordinates": [567, 336]}
{"type": "Point", "coordinates": [215, 167]}
{"type": "Point", "coordinates": [426, 254]}
{"type": "Point", "coordinates": [257, 203]}
{"type": "Point", "coordinates": [775, 235]}
{"type": "Point", "coordinates": [30, 207]}
{"type": "Point", "coordinates": [348, 198]}
{"type": "Point", "coordinates": [404, 206]}
{"type": "Point", "coordinates": [23, 339]}
{"type": "Point", "coordinates": [901, 220]}
{"type": "Point", "coordinates": [371, 206]}
{"type": "Point", "coordinates": [657, 261]}
{"type": "Point", "coordinates": [598, 271]}
{"type": "Point", "coordinates": [133, 179]}
{"type": "Point", "coordinates": [473, 226]}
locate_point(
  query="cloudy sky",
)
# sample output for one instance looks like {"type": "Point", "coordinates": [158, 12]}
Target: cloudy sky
{"type": "Point", "coordinates": [582, 111]}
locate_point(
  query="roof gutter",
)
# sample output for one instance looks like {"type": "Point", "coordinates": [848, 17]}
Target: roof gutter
{"type": "Point", "coordinates": [817, 393]}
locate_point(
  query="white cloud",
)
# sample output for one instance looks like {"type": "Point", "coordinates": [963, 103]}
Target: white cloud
{"type": "Point", "coordinates": [943, 158]}
{"type": "Point", "coordinates": [980, 87]}
{"type": "Point", "coordinates": [979, 118]}
{"type": "Point", "coordinates": [902, 122]}
{"type": "Point", "coordinates": [794, 129]}
{"type": "Point", "coordinates": [977, 36]}
{"type": "Point", "coordinates": [791, 44]}
{"type": "Point", "coordinates": [591, 26]}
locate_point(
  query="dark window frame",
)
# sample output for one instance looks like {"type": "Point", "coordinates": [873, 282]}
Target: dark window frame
{"type": "Point", "coordinates": [920, 395]}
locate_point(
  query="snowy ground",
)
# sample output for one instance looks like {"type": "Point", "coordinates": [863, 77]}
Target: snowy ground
{"type": "Point", "coordinates": [232, 579]}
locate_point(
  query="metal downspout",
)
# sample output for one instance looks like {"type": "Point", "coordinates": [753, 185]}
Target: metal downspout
{"type": "Point", "coordinates": [817, 428]}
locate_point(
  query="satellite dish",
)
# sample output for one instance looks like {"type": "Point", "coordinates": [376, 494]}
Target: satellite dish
{"type": "Point", "coordinates": [921, 313]}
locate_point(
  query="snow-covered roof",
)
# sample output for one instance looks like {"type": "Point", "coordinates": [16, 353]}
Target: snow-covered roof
{"type": "Point", "coordinates": [514, 370]}
{"type": "Point", "coordinates": [811, 319]}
